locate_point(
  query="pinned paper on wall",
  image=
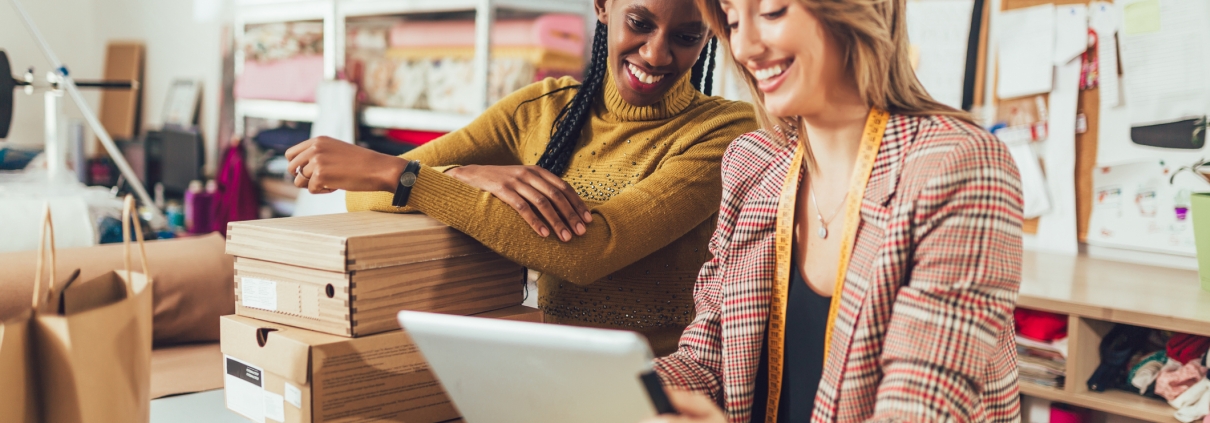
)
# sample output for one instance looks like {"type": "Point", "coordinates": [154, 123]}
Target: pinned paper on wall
{"type": "Point", "coordinates": [940, 29]}
{"type": "Point", "coordinates": [1027, 40]}
{"type": "Point", "coordinates": [1033, 181]}
{"type": "Point", "coordinates": [1103, 21]}
{"type": "Point", "coordinates": [1164, 60]}
{"type": "Point", "coordinates": [1135, 207]}
{"type": "Point", "coordinates": [1141, 17]}
{"type": "Point", "coordinates": [1071, 32]}
{"type": "Point", "coordinates": [1057, 229]}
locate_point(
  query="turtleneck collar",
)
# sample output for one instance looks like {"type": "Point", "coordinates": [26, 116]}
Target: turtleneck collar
{"type": "Point", "coordinates": [675, 100]}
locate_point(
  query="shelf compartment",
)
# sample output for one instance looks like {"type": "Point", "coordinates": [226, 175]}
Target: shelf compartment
{"type": "Point", "coordinates": [277, 110]}
{"type": "Point", "coordinates": [1140, 295]}
{"type": "Point", "coordinates": [1113, 401]}
{"type": "Point", "coordinates": [421, 120]}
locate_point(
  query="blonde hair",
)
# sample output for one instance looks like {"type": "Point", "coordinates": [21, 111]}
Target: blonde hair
{"type": "Point", "coordinates": [873, 35]}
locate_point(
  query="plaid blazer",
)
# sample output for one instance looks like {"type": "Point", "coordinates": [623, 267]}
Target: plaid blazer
{"type": "Point", "coordinates": [924, 331]}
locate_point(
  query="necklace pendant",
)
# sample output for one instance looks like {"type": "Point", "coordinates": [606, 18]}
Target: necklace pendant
{"type": "Point", "coordinates": [823, 232]}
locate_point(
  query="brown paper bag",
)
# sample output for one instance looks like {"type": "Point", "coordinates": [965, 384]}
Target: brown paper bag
{"type": "Point", "coordinates": [92, 343]}
{"type": "Point", "coordinates": [18, 376]}
{"type": "Point", "coordinates": [18, 393]}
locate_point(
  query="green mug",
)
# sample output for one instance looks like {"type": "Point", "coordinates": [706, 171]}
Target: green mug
{"type": "Point", "coordinates": [1200, 214]}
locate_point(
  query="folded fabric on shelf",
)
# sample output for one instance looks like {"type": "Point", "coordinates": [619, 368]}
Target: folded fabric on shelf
{"type": "Point", "coordinates": [1144, 373]}
{"type": "Point", "coordinates": [1040, 325]}
{"type": "Point", "coordinates": [1194, 403]}
{"type": "Point", "coordinates": [555, 31]}
{"type": "Point", "coordinates": [1175, 379]}
{"type": "Point", "coordinates": [292, 79]}
{"type": "Point", "coordinates": [282, 40]}
{"type": "Point", "coordinates": [1184, 347]}
{"type": "Point", "coordinates": [537, 56]}
{"type": "Point", "coordinates": [1117, 348]}
{"type": "Point", "coordinates": [281, 139]}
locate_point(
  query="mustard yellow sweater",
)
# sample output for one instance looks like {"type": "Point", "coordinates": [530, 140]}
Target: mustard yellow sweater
{"type": "Point", "coordinates": [650, 176]}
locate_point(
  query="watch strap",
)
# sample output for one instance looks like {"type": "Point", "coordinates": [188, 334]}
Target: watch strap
{"type": "Point", "coordinates": [407, 179]}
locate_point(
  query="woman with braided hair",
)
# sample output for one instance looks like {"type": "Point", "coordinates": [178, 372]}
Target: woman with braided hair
{"type": "Point", "coordinates": [610, 188]}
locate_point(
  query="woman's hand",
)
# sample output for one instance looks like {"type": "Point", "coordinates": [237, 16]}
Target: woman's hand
{"type": "Point", "coordinates": [325, 164]}
{"type": "Point", "coordinates": [693, 408]}
{"type": "Point", "coordinates": [532, 191]}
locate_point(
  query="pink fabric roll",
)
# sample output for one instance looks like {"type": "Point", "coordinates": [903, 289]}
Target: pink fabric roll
{"type": "Point", "coordinates": [1174, 381]}
{"type": "Point", "coordinates": [559, 32]}
{"type": "Point", "coordinates": [293, 79]}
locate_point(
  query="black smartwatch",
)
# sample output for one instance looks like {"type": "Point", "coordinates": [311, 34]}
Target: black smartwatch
{"type": "Point", "coordinates": [406, 180]}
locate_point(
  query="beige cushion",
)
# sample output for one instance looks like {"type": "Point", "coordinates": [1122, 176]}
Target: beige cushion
{"type": "Point", "coordinates": [193, 282]}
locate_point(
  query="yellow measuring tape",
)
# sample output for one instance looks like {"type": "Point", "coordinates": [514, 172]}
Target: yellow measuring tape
{"type": "Point", "coordinates": [871, 140]}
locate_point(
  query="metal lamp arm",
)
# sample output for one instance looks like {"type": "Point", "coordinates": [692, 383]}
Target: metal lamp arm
{"type": "Point", "coordinates": [69, 85]}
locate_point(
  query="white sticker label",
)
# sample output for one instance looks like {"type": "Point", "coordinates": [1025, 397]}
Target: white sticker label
{"type": "Point", "coordinates": [275, 407]}
{"type": "Point", "coordinates": [293, 396]}
{"type": "Point", "coordinates": [258, 293]}
{"type": "Point", "coordinates": [243, 386]}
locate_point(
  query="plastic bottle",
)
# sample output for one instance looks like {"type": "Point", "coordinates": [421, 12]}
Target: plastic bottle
{"type": "Point", "coordinates": [191, 197]}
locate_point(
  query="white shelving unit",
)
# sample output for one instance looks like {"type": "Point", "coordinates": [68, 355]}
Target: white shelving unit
{"type": "Point", "coordinates": [279, 110]}
{"type": "Point", "coordinates": [335, 15]}
{"type": "Point", "coordinates": [420, 120]}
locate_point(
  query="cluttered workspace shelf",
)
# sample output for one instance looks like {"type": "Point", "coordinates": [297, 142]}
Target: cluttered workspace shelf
{"type": "Point", "coordinates": [1097, 294]}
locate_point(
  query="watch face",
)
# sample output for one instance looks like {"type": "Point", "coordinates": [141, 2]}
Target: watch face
{"type": "Point", "coordinates": [407, 179]}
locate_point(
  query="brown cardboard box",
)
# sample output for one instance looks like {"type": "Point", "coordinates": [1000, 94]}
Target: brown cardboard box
{"type": "Point", "coordinates": [348, 274]}
{"type": "Point", "coordinates": [303, 376]}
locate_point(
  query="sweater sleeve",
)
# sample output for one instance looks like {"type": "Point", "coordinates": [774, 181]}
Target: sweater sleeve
{"type": "Point", "coordinates": [681, 194]}
{"type": "Point", "coordinates": [948, 319]}
{"type": "Point", "coordinates": [493, 138]}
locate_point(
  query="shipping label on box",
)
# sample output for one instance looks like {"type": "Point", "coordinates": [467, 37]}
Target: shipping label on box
{"type": "Point", "coordinates": [291, 375]}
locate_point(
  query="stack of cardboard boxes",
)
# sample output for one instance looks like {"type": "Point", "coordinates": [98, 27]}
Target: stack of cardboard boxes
{"type": "Point", "coordinates": [315, 339]}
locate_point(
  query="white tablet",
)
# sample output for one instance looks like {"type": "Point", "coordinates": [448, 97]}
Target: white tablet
{"type": "Point", "coordinates": [506, 371]}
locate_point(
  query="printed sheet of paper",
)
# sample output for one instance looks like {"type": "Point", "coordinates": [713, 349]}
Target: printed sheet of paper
{"type": "Point", "coordinates": [1071, 32]}
{"type": "Point", "coordinates": [1033, 181]}
{"type": "Point", "coordinates": [1134, 207]}
{"type": "Point", "coordinates": [1057, 228]}
{"type": "Point", "coordinates": [941, 29]}
{"type": "Point", "coordinates": [1027, 41]}
{"type": "Point", "coordinates": [1164, 59]}
{"type": "Point", "coordinates": [1103, 21]}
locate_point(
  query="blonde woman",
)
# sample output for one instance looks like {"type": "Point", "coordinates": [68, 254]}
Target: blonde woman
{"type": "Point", "coordinates": [867, 256]}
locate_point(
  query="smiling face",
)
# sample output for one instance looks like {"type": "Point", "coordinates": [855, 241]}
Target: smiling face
{"type": "Point", "coordinates": [794, 59]}
{"type": "Point", "coordinates": [652, 43]}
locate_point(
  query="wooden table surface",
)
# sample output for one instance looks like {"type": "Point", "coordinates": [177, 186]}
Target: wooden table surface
{"type": "Point", "coordinates": [1158, 297]}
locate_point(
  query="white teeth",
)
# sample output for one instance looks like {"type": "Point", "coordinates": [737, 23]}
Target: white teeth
{"type": "Point", "coordinates": [767, 73]}
{"type": "Point", "coordinates": [644, 77]}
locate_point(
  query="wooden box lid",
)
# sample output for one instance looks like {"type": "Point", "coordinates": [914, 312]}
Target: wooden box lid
{"type": "Point", "coordinates": [347, 242]}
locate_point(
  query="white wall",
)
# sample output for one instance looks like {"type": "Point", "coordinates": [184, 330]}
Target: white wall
{"type": "Point", "coordinates": [179, 44]}
{"type": "Point", "coordinates": [69, 28]}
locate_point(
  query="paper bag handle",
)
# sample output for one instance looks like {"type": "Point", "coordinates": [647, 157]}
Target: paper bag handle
{"type": "Point", "coordinates": [129, 218]}
{"type": "Point", "coordinates": [48, 228]}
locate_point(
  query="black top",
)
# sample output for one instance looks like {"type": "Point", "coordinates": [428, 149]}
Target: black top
{"type": "Point", "coordinates": [806, 328]}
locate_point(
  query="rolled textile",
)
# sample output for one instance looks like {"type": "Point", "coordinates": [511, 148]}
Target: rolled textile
{"type": "Point", "coordinates": [194, 283]}
{"type": "Point", "coordinates": [555, 31]}
{"type": "Point", "coordinates": [292, 79]}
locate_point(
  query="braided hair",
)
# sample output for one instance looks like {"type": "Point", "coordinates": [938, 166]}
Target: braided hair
{"type": "Point", "coordinates": [569, 123]}
{"type": "Point", "coordinates": [703, 71]}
